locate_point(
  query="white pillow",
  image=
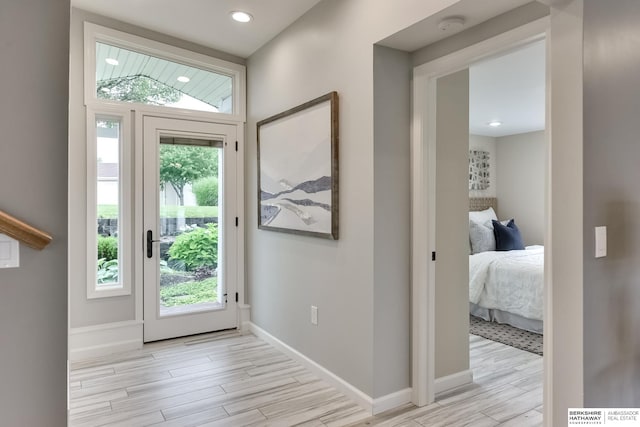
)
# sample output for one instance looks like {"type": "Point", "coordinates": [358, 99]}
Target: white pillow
{"type": "Point", "coordinates": [481, 237]}
{"type": "Point", "coordinates": [481, 217]}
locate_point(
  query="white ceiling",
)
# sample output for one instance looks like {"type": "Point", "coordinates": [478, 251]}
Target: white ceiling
{"type": "Point", "coordinates": [206, 22]}
{"type": "Point", "coordinates": [509, 89]}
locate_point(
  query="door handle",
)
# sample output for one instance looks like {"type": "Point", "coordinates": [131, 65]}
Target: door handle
{"type": "Point", "coordinates": [150, 243]}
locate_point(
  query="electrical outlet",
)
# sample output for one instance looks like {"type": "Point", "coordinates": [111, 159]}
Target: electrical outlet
{"type": "Point", "coordinates": [314, 315]}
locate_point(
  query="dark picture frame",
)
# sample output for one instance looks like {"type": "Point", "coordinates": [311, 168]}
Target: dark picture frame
{"type": "Point", "coordinates": [298, 169]}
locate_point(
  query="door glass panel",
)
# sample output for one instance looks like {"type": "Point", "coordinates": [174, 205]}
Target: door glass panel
{"type": "Point", "coordinates": [190, 200]}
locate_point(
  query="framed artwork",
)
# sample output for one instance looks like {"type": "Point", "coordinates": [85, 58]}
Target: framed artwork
{"type": "Point", "coordinates": [298, 169]}
{"type": "Point", "coordinates": [479, 170]}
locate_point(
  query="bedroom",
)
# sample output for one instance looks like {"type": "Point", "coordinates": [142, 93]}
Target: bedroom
{"type": "Point", "coordinates": [507, 170]}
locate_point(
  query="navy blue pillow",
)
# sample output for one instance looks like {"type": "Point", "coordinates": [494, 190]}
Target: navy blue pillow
{"type": "Point", "coordinates": [508, 236]}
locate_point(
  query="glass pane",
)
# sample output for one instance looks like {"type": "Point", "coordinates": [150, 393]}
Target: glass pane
{"type": "Point", "coordinates": [190, 199]}
{"type": "Point", "coordinates": [108, 200]}
{"type": "Point", "coordinates": [125, 75]}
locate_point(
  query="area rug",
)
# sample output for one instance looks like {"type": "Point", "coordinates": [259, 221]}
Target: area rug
{"type": "Point", "coordinates": [506, 334]}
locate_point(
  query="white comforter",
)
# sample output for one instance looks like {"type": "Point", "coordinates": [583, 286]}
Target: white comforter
{"type": "Point", "coordinates": [511, 281]}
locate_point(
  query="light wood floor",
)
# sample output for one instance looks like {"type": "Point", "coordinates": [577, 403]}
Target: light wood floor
{"type": "Point", "coordinates": [227, 379]}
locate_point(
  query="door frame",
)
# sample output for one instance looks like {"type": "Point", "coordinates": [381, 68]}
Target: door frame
{"type": "Point", "coordinates": [423, 190]}
{"type": "Point", "coordinates": [242, 308]}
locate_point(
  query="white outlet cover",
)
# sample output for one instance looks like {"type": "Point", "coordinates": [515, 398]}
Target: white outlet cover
{"type": "Point", "coordinates": [9, 252]}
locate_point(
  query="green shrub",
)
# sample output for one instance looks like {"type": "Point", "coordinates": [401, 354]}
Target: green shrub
{"type": "Point", "coordinates": [206, 191]}
{"type": "Point", "coordinates": [107, 271]}
{"type": "Point", "coordinates": [107, 247]}
{"type": "Point", "coordinates": [196, 248]}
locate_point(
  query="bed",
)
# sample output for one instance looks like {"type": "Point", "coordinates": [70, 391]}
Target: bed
{"type": "Point", "coordinates": [506, 286]}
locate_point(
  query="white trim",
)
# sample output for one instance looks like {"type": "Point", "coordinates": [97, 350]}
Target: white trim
{"type": "Point", "coordinates": [373, 406]}
{"type": "Point", "coordinates": [449, 382]}
{"type": "Point", "coordinates": [423, 165]}
{"type": "Point", "coordinates": [104, 339]}
{"type": "Point", "coordinates": [240, 229]}
{"type": "Point", "coordinates": [123, 287]}
{"type": "Point", "coordinates": [391, 401]}
{"type": "Point", "coordinates": [244, 318]}
{"type": "Point", "coordinates": [94, 33]}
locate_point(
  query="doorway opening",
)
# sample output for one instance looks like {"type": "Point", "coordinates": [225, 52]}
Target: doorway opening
{"type": "Point", "coordinates": [439, 116]}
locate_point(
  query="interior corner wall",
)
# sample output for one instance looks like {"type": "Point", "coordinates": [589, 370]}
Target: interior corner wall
{"type": "Point", "coordinates": [522, 166]}
{"type": "Point", "coordinates": [392, 220]}
{"type": "Point", "coordinates": [611, 173]}
{"type": "Point", "coordinates": [329, 48]}
{"type": "Point", "coordinates": [486, 143]}
{"type": "Point", "coordinates": [83, 311]}
{"type": "Point", "coordinates": [33, 188]}
{"type": "Point", "coordinates": [452, 231]}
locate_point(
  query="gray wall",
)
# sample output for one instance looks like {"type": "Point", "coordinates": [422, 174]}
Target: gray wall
{"type": "Point", "coordinates": [392, 218]}
{"type": "Point", "coordinates": [452, 231]}
{"type": "Point", "coordinates": [84, 312]}
{"type": "Point", "coordinates": [33, 188]}
{"type": "Point", "coordinates": [521, 163]}
{"type": "Point", "coordinates": [612, 176]}
{"type": "Point", "coordinates": [331, 48]}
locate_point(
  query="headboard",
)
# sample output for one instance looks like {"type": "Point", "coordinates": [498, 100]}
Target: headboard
{"type": "Point", "coordinates": [482, 203]}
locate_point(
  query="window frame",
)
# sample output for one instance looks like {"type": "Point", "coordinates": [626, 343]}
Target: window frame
{"type": "Point", "coordinates": [95, 33]}
{"type": "Point", "coordinates": [125, 183]}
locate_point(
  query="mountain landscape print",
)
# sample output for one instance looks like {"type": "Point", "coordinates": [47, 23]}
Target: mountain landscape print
{"type": "Point", "coordinates": [297, 179]}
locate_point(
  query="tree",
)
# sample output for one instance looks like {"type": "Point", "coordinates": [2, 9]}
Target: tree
{"type": "Point", "coordinates": [137, 89]}
{"type": "Point", "coordinates": [181, 165]}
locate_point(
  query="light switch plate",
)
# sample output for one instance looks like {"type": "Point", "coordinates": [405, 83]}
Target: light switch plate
{"type": "Point", "coordinates": [9, 252]}
{"type": "Point", "coordinates": [601, 242]}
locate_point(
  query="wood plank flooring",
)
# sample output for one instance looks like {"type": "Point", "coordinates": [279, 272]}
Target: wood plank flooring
{"type": "Point", "coordinates": [228, 379]}
{"type": "Point", "coordinates": [506, 392]}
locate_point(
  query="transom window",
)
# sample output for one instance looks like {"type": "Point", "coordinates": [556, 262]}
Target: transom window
{"type": "Point", "coordinates": [122, 68]}
{"type": "Point", "coordinates": [125, 75]}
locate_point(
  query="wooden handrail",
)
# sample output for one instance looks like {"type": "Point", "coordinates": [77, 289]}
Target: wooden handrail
{"type": "Point", "coordinates": [22, 232]}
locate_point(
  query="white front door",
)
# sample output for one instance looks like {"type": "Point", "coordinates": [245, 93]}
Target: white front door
{"type": "Point", "coordinates": [190, 227]}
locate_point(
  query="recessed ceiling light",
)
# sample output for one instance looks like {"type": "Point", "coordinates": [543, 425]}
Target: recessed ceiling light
{"type": "Point", "coordinates": [240, 16]}
{"type": "Point", "coordinates": [111, 61]}
{"type": "Point", "coordinates": [495, 123]}
{"type": "Point", "coordinates": [183, 79]}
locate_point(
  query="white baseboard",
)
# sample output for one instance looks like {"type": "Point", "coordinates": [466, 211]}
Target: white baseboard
{"type": "Point", "coordinates": [444, 384]}
{"type": "Point", "coordinates": [104, 339]}
{"type": "Point", "coordinates": [390, 401]}
{"type": "Point", "coordinates": [244, 318]}
{"type": "Point", "coordinates": [373, 406]}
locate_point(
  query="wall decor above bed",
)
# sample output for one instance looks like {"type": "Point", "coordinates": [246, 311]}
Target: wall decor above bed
{"type": "Point", "coordinates": [479, 178]}
{"type": "Point", "coordinates": [298, 169]}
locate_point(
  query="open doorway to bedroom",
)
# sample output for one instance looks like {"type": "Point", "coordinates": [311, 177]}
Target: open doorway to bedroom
{"type": "Point", "coordinates": [506, 180]}
{"type": "Point", "coordinates": [459, 158]}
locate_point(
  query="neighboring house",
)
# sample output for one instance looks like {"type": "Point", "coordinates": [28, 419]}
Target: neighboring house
{"type": "Point", "coordinates": [107, 183]}
{"type": "Point", "coordinates": [360, 281]}
{"type": "Point", "coordinates": [108, 188]}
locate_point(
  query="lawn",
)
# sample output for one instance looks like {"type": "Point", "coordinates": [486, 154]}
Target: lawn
{"type": "Point", "coordinates": [111, 211]}
{"type": "Point", "coordinates": [189, 292]}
